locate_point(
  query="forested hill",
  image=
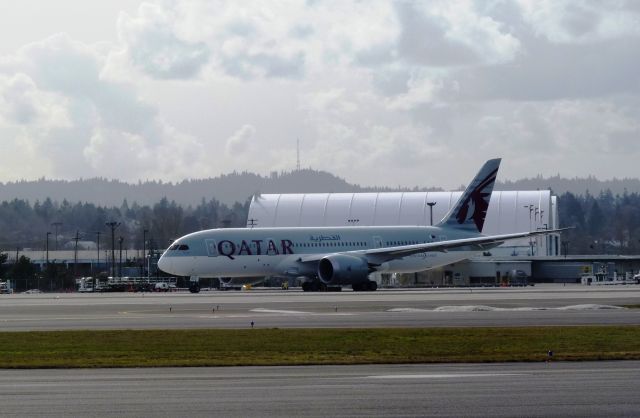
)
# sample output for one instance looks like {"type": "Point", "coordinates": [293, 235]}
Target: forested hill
{"type": "Point", "coordinates": [577, 186]}
{"type": "Point", "coordinates": [228, 189]}
{"type": "Point", "coordinates": [238, 187]}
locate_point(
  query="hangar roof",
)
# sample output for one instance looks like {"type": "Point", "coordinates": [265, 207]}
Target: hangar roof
{"type": "Point", "coordinates": [509, 211]}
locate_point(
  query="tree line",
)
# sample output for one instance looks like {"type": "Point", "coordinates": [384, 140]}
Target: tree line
{"type": "Point", "coordinates": [26, 226]}
{"type": "Point", "coordinates": [23, 225]}
{"type": "Point", "coordinates": [602, 224]}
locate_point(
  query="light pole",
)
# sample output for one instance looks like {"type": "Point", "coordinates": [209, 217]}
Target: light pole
{"type": "Point", "coordinates": [56, 225]}
{"type": "Point", "coordinates": [431, 205]}
{"type": "Point", "coordinates": [546, 237]}
{"type": "Point", "coordinates": [530, 207]}
{"type": "Point", "coordinates": [98, 250]}
{"type": "Point", "coordinates": [113, 225]}
{"type": "Point", "coordinates": [75, 255]}
{"type": "Point", "coordinates": [149, 258]}
{"type": "Point", "coordinates": [144, 251]}
{"type": "Point", "coordinates": [47, 247]}
{"type": "Point", "coordinates": [120, 240]}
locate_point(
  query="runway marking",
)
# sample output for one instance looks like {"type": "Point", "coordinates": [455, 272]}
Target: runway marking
{"type": "Point", "coordinates": [588, 307]}
{"type": "Point", "coordinates": [409, 310]}
{"type": "Point", "coordinates": [484, 308]}
{"type": "Point", "coordinates": [264, 310]}
{"type": "Point", "coordinates": [284, 312]}
{"type": "Point", "coordinates": [442, 375]}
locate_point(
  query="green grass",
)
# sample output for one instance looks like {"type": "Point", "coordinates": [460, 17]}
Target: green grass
{"type": "Point", "coordinates": [161, 348]}
{"type": "Point", "coordinates": [630, 306]}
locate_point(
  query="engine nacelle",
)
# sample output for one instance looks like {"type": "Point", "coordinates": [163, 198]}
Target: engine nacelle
{"type": "Point", "coordinates": [341, 269]}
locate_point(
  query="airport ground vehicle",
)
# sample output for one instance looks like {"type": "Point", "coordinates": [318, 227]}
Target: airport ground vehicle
{"type": "Point", "coordinates": [161, 287]}
{"type": "Point", "coordinates": [5, 289]}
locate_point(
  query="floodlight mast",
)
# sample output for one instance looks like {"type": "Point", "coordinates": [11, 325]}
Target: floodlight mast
{"type": "Point", "coordinates": [113, 225]}
{"type": "Point", "coordinates": [431, 205]}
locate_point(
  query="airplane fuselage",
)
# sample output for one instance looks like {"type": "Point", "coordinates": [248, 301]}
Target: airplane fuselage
{"type": "Point", "coordinates": [278, 251]}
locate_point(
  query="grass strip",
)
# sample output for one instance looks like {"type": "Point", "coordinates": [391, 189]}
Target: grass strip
{"type": "Point", "coordinates": [219, 347]}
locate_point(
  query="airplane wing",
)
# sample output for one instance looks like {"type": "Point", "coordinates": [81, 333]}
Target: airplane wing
{"type": "Point", "coordinates": [480, 243]}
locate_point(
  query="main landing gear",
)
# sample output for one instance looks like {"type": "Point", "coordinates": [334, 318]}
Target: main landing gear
{"type": "Point", "coordinates": [369, 286]}
{"type": "Point", "coordinates": [318, 286]}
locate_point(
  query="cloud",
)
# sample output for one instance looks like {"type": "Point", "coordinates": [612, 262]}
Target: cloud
{"type": "Point", "coordinates": [180, 40]}
{"type": "Point", "coordinates": [54, 96]}
{"type": "Point", "coordinates": [380, 92]}
{"type": "Point", "coordinates": [527, 53]}
{"type": "Point", "coordinates": [330, 101]}
{"type": "Point", "coordinates": [240, 141]}
{"type": "Point", "coordinates": [21, 103]}
{"type": "Point", "coordinates": [152, 45]}
{"type": "Point", "coordinates": [251, 39]}
{"type": "Point", "coordinates": [548, 71]}
{"type": "Point", "coordinates": [421, 89]}
{"type": "Point", "coordinates": [443, 34]}
{"type": "Point", "coordinates": [566, 21]}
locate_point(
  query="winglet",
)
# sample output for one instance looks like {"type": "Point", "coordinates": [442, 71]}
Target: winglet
{"type": "Point", "coordinates": [470, 211]}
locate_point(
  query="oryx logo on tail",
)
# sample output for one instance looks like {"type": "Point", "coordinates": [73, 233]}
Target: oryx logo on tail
{"type": "Point", "coordinates": [471, 209]}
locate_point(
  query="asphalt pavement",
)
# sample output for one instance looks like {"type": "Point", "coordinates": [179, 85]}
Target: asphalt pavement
{"type": "Point", "coordinates": [592, 389]}
{"type": "Point", "coordinates": [597, 389]}
{"type": "Point", "coordinates": [541, 305]}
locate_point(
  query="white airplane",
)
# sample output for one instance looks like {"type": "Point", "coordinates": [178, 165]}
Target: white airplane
{"type": "Point", "coordinates": [331, 257]}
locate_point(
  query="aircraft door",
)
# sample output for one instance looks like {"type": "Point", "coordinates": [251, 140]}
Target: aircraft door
{"type": "Point", "coordinates": [212, 247]}
{"type": "Point", "coordinates": [377, 242]}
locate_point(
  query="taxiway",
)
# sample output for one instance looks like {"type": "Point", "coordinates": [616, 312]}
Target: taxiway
{"type": "Point", "coordinates": [542, 305]}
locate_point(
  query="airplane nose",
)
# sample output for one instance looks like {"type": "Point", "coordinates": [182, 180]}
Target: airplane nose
{"type": "Point", "coordinates": [165, 264]}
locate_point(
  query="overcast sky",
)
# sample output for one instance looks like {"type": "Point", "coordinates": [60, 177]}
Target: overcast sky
{"type": "Point", "coordinates": [378, 92]}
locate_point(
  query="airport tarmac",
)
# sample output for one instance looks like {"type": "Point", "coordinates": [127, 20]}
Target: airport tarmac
{"type": "Point", "coordinates": [590, 389]}
{"type": "Point", "coordinates": [539, 305]}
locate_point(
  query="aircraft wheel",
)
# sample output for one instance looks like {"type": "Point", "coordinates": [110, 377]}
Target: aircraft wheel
{"type": "Point", "coordinates": [372, 286]}
{"type": "Point", "coordinates": [312, 286]}
{"type": "Point", "coordinates": [357, 287]}
{"type": "Point", "coordinates": [194, 288]}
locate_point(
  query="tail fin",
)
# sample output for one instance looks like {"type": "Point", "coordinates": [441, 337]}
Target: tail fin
{"type": "Point", "coordinates": [471, 209]}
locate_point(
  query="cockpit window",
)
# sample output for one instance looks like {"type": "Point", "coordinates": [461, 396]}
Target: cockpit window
{"type": "Point", "coordinates": [183, 247]}
{"type": "Point", "coordinates": [173, 247]}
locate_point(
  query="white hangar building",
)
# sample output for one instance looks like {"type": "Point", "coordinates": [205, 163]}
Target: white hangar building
{"type": "Point", "coordinates": [509, 212]}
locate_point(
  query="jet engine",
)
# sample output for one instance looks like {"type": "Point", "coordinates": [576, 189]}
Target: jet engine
{"type": "Point", "coordinates": [341, 269]}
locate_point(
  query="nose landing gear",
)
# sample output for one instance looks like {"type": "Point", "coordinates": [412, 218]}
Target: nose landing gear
{"type": "Point", "coordinates": [194, 284]}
